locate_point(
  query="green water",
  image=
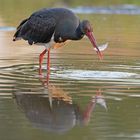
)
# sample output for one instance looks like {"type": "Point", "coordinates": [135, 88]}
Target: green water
{"type": "Point", "coordinates": [69, 107]}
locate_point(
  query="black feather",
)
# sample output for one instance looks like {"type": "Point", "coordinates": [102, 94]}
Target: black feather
{"type": "Point", "coordinates": [41, 25]}
{"type": "Point", "coordinates": [18, 29]}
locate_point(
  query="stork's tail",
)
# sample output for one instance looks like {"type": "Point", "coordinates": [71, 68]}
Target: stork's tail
{"type": "Point", "coordinates": [17, 33]}
{"type": "Point", "coordinates": [16, 36]}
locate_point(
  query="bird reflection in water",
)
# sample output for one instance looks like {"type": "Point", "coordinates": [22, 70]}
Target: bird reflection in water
{"type": "Point", "coordinates": [54, 111]}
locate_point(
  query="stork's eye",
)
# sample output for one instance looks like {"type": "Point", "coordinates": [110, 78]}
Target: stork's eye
{"type": "Point", "coordinates": [60, 39]}
{"type": "Point", "coordinates": [88, 30]}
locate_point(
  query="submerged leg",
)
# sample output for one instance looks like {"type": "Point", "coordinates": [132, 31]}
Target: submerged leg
{"type": "Point", "coordinates": [48, 61]}
{"type": "Point", "coordinates": [48, 65]}
{"type": "Point", "coordinates": [40, 61]}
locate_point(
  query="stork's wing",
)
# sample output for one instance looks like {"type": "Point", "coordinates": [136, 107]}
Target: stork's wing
{"type": "Point", "coordinates": [36, 29]}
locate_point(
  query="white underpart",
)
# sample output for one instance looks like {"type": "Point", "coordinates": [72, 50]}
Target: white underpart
{"type": "Point", "coordinates": [48, 45]}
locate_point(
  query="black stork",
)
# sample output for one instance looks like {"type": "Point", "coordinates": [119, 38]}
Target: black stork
{"type": "Point", "coordinates": [51, 28]}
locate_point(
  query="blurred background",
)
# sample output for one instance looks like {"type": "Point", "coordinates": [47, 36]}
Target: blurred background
{"type": "Point", "coordinates": [76, 75]}
{"type": "Point", "coordinates": [11, 11]}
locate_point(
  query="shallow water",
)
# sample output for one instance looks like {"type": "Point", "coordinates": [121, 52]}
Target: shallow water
{"type": "Point", "coordinates": [86, 98]}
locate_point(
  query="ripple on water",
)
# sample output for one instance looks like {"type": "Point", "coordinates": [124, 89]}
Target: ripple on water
{"type": "Point", "coordinates": [91, 75]}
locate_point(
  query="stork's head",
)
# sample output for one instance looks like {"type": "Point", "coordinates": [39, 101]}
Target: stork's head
{"type": "Point", "coordinates": [88, 31]}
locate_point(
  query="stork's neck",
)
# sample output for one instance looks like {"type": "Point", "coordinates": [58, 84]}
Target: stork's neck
{"type": "Point", "coordinates": [74, 34]}
{"type": "Point", "coordinates": [79, 33]}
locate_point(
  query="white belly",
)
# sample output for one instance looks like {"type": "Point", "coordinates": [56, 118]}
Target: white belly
{"type": "Point", "coordinates": [49, 44]}
{"type": "Point", "coordinates": [52, 44]}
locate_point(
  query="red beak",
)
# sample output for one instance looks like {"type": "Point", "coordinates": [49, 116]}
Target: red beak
{"type": "Point", "coordinates": [93, 41]}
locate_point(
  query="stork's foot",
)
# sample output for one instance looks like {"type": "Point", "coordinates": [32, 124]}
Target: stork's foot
{"type": "Point", "coordinates": [44, 80]}
{"type": "Point", "coordinates": [40, 72]}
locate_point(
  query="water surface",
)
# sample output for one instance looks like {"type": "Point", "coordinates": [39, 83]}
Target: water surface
{"type": "Point", "coordinates": [86, 98]}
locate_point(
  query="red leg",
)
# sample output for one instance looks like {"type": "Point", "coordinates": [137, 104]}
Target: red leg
{"type": "Point", "coordinates": [48, 65]}
{"type": "Point", "coordinates": [48, 69]}
{"type": "Point", "coordinates": [40, 61]}
{"type": "Point", "coordinates": [48, 61]}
